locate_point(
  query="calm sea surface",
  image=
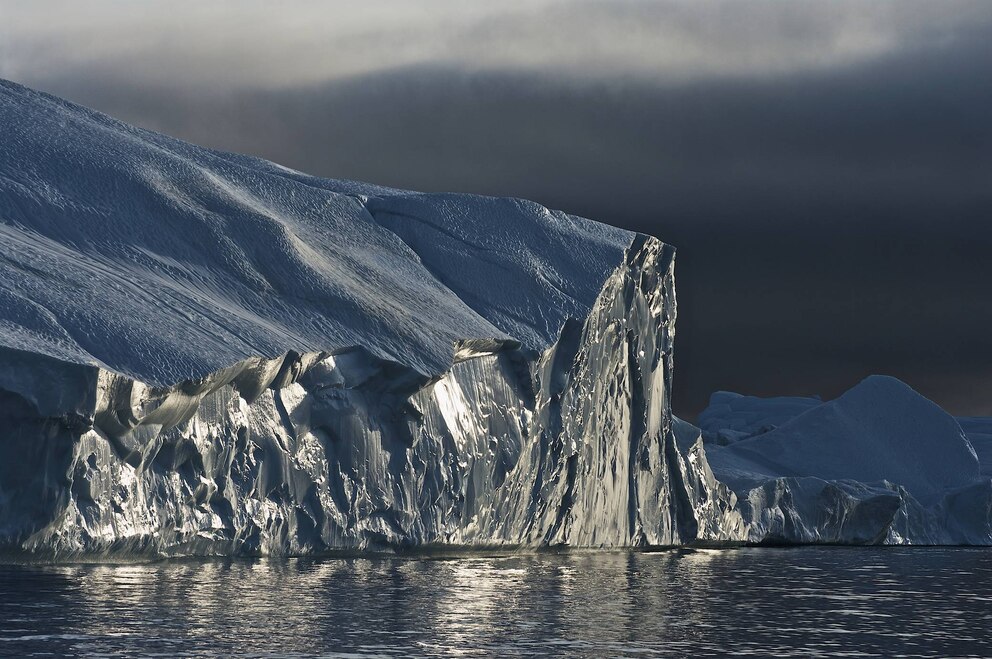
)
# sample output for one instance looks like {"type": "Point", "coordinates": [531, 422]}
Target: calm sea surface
{"type": "Point", "coordinates": [786, 602]}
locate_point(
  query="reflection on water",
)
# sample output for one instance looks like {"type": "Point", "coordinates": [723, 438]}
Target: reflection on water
{"type": "Point", "coordinates": [800, 602]}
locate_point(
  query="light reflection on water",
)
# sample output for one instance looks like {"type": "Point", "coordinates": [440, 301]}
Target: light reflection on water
{"type": "Point", "coordinates": [799, 602]}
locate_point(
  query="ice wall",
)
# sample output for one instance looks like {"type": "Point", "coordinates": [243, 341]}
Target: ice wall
{"type": "Point", "coordinates": [313, 452]}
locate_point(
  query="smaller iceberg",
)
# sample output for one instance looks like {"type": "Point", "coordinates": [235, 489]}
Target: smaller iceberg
{"type": "Point", "coordinates": [880, 464]}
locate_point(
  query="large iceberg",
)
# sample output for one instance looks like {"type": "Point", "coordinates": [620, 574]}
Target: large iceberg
{"type": "Point", "coordinates": [207, 353]}
{"type": "Point", "coordinates": [202, 352]}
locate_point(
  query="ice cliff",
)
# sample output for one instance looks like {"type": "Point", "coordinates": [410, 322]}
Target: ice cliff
{"type": "Point", "coordinates": [206, 353]}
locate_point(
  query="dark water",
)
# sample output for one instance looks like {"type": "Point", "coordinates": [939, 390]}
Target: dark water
{"type": "Point", "coordinates": [801, 602]}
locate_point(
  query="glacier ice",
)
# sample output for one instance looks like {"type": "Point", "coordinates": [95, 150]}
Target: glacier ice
{"type": "Point", "coordinates": [207, 353]}
{"type": "Point", "coordinates": [879, 464]}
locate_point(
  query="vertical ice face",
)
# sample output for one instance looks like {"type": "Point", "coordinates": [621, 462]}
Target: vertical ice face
{"type": "Point", "coordinates": [605, 467]}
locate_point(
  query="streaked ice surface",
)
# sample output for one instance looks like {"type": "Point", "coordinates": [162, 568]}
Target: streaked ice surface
{"type": "Point", "coordinates": [812, 601]}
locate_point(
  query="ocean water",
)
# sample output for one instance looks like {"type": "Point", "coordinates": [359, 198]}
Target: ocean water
{"type": "Point", "coordinates": [824, 601]}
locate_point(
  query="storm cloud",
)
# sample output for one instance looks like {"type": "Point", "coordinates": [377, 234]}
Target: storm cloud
{"type": "Point", "coordinates": [825, 169]}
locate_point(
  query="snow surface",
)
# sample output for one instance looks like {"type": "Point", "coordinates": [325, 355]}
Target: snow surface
{"type": "Point", "coordinates": [165, 261]}
{"type": "Point", "coordinates": [730, 416]}
{"type": "Point", "coordinates": [879, 430]}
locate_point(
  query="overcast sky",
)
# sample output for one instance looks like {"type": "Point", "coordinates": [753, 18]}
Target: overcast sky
{"type": "Point", "coordinates": [825, 168]}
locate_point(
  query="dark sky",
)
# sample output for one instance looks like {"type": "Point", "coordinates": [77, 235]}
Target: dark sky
{"type": "Point", "coordinates": [825, 169]}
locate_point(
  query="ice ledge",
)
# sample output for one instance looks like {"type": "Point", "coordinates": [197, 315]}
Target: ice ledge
{"type": "Point", "coordinates": [118, 406]}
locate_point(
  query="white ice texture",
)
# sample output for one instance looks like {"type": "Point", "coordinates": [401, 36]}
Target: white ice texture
{"type": "Point", "coordinates": [207, 353]}
{"type": "Point", "coordinates": [880, 464]}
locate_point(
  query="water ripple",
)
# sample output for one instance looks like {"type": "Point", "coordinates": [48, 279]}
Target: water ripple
{"type": "Point", "coordinates": [810, 602]}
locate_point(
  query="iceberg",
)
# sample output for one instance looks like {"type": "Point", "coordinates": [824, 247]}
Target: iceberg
{"type": "Point", "coordinates": [206, 353]}
{"type": "Point", "coordinates": [881, 464]}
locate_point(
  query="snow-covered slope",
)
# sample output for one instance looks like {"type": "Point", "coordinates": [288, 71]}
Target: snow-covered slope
{"type": "Point", "coordinates": [730, 417]}
{"type": "Point", "coordinates": [164, 261]}
{"type": "Point", "coordinates": [978, 430]}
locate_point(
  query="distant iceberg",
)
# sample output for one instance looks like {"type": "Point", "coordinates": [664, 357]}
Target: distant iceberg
{"type": "Point", "coordinates": [203, 353]}
{"type": "Point", "coordinates": [881, 464]}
